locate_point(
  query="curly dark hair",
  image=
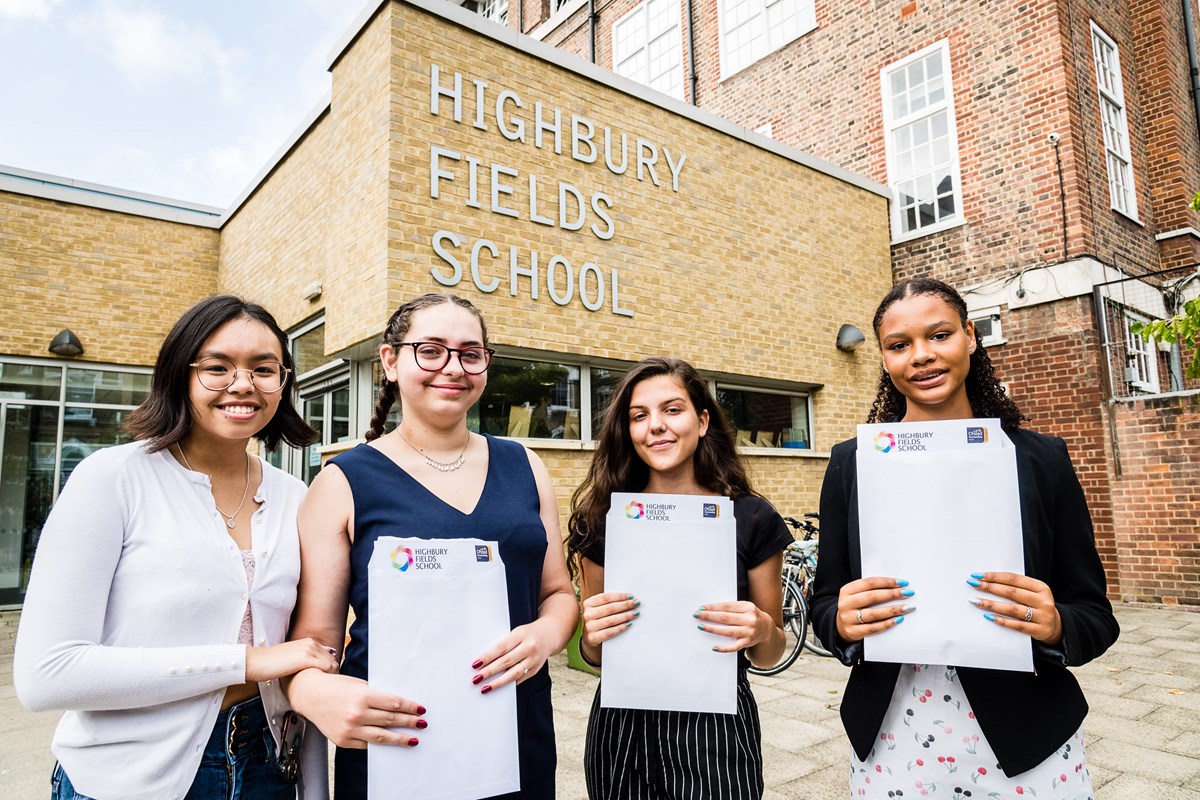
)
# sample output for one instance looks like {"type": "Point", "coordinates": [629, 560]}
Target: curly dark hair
{"type": "Point", "coordinates": [393, 334]}
{"type": "Point", "coordinates": [984, 392]}
{"type": "Point", "coordinates": [616, 466]}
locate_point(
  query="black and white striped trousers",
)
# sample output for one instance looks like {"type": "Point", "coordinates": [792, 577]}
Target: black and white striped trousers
{"type": "Point", "coordinates": [633, 754]}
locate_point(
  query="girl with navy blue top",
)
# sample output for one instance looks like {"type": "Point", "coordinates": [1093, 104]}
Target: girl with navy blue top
{"type": "Point", "coordinates": [431, 474]}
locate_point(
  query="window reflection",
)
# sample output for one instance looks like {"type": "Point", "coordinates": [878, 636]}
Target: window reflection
{"type": "Point", "coordinates": [530, 399]}
{"type": "Point", "coordinates": [765, 419]}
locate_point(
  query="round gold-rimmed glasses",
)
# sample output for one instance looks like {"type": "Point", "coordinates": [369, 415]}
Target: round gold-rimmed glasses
{"type": "Point", "coordinates": [217, 375]}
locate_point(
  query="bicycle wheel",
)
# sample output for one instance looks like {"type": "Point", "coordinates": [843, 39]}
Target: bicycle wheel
{"type": "Point", "coordinates": [795, 626]}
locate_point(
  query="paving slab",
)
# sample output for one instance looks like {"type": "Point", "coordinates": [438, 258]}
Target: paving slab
{"type": "Point", "coordinates": [1143, 735]}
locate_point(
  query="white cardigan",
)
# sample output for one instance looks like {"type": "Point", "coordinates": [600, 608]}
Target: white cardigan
{"type": "Point", "coordinates": [132, 615]}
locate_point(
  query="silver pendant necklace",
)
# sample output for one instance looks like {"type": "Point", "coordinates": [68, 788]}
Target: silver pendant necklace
{"type": "Point", "coordinates": [229, 518]}
{"type": "Point", "coordinates": [440, 466]}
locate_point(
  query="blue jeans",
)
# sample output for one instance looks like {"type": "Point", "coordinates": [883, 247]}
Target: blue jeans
{"type": "Point", "coordinates": [238, 762]}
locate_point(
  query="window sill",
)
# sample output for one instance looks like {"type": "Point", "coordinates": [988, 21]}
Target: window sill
{"type": "Point", "coordinates": [923, 232]}
{"type": "Point", "coordinates": [781, 452]}
{"type": "Point", "coordinates": [1129, 217]}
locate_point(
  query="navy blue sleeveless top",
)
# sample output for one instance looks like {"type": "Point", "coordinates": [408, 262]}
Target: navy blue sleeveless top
{"type": "Point", "coordinates": [390, 502]}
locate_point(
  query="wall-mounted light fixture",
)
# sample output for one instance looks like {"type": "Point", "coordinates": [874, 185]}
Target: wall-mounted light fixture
{"type": "Point", "coordinates": [312, 291]}
{"type": "Point", "coordinates": [849, 338]}
{"type": "Point", "coordinates": [66, 343]}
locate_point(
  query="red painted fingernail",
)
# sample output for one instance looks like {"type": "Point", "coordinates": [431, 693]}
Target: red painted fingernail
{"type": "Point", "coordinates": [422, 724]}
{"type": "Point", "coordinates": [476, 679]}
{"type": "Point", "coordinates": [477, 665]}
{"type": "Point", "coordinates": [413, 742]}
{"type": "Point", "coordinates": [486, 689]}
{"type": "Point", "coordinates": [420, 709]}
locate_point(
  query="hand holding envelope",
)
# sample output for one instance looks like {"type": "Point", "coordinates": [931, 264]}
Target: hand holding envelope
{"type": "Point", "coordinates": [938, 505]}
{"type": "Point", "coordinates": [435, 605]}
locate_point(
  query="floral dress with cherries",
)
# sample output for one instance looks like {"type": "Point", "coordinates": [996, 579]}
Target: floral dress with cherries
{"type": "Point", "coordinates": [930, 744]}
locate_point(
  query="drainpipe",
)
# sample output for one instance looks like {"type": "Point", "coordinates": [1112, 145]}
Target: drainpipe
{"type": "Point", "coordinates": [1193, 61]}
{"type": "Point", "coordinates": [592, 17]}
{"type": "Point", "coordinates": [691, 54]}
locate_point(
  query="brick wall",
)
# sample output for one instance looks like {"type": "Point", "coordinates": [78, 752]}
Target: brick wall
{"type": "Point", "coordinates": [118, 281]}
{"type": "Point", "coordinates": [1155, 499]}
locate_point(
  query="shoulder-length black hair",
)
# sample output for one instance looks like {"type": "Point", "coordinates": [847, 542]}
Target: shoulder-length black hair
{"type": "Point", "coordinates": [616, 466]}
{"type": "Point", "coordinates": [984, 392]}
{"type": "Point", "coordinates": [165, 416]}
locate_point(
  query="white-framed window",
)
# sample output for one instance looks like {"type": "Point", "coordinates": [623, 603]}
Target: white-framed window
{"type": "Point", "coordinates": [921, 141]}
{"type": "Point", "coordinates": [648, 46]}
{"type": "Point", "coordinates": [1115, 123]}
{"type": "Point", "coordinates": [1141, 356]}
{"type": "Point", "coordinates": [753, 29]}
{"type": "Point", "coordinates": [495, 10]}
{"type": "Point", "coordinates": [987, 325]}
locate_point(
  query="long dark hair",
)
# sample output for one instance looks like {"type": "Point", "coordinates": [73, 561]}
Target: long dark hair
{"type": "Point", "coordinates": [165, 416]}
{"type": "Point", "coordinates": [393, 334]}
{"type": "Point", "coordinates": [616, 466]}
{"type": "Point", "coordinates": [984, 392]}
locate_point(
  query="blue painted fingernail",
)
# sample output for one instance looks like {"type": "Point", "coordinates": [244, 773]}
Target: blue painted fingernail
{"type": "Point", "coordinates": [908, 593]}
{"type": "Point", "coordinates": [898, 620]}
{"type": "Point", "coordinates": [637, 613]}
{"type": "Point", "coordinates": [701, 627]}
{"type": "Point", "coordinates": [628, 597]}
{"type": "Point", "coordinates": [989, 617]}
{"type": "Point", "coordinates": [701, 608]}
{"type": "Point", "coordinates": [977, 575]}
{"type": "Point", "coordinates": [696, 614]}
{"type": "Point", "coordinates": [637, 603]}
{"type": "Point", "coordinates": [901, 582]}
{"type": "Point", "coordinates": [627, 624]}
{"type": "Point", "coordinates": [972, 582]}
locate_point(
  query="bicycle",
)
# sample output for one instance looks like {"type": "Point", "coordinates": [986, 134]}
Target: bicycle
{"type": "Point", "coordinates": [799, 571]}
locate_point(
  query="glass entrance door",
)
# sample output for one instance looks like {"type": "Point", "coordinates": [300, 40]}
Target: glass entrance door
{"type": "Point", "coordinates": [28, 464]}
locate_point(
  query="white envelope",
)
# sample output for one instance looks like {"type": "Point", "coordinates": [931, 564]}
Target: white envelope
{"type": "Point", "coordinates": [434, 606]}
{"type": "Point", "coordinates": [936, 502]}
{"type": "Point", "coordinates": [674, 553]}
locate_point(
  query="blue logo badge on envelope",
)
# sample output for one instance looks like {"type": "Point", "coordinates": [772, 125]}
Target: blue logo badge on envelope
{"type": "Point", "coordinates": [977, 434]}
{"type": "Point", "coordinates": [711, 511]}
{"type": "Point", "coordinates": [483, 552]}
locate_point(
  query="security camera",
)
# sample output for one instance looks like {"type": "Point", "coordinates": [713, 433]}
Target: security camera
{"type": "Point", "coordinates": [1054, 137]}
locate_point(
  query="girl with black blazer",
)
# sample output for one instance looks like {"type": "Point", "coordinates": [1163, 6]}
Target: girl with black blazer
{"type": "Point", "coordinates": [917, 728]}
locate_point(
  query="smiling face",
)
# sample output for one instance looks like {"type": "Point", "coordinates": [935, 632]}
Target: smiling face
{"type": "Point", "coordinates": [927, 354]}
{"type": "Point", "coordinates": [665, 428]}
{"type": "Point", "coordinates": [240, 411]}
{"type": "Point", "coordinates": [448, 393]}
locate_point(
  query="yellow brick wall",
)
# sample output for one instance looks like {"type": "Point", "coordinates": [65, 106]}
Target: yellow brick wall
{"type": "Point", "coordinates": [118, 281]}
{"type": "Point", "coordinates": [748, 270]}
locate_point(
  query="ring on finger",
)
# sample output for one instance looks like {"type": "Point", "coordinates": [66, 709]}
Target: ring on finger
{"type": "Point", "coordinates": [525, 668]}
{"type": "Point", "coordinates": [858, 616]}
{"type": "Point", "coordinates": [1029, 613]}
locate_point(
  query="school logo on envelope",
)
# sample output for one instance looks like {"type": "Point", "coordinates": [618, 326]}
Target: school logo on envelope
{"type": "Point", "coordinates": [977, 434]}
{"type": "Point", "coordinates": [402, 558]}
{"type": "Point", "coordinates": [634, 510]}
{"type": "Point", "coordinates": [483, 552]}
{"type": "Point", "coordinates": [711, 511]}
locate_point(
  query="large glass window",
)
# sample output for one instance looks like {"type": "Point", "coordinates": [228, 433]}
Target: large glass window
{"type": "Point", "coordinates": [604, 384]}
{"type": "Point", "coordinates": [530, 399]}
{"type": "Point", "coordinates": [1115, 123]}
{"type": "Point", "coordinates": [648, 47]}
{"type": "Point", "coordinates": [921, 143]}
{"type": "Point", "coordinates": [753, 29]}
{"type": "Point", "coordinates": [51, 418]}
{"type": "Point", "coordinates": [766, 419]}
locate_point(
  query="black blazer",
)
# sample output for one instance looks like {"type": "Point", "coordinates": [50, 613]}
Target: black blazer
{"type": "Point", "coordinates": [1025, 716]}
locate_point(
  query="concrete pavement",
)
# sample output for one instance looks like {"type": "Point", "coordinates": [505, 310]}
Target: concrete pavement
{"type": "Point", "coordinates": [1143, 732]}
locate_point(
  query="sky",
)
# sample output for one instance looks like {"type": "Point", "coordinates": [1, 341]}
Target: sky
{"type": "Point", "coordinates": [185, 99]}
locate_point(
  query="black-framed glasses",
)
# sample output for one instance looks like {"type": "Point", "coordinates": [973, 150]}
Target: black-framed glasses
{"type": "Point", "coordinates": [433, 357]}
{"type": "Point", "coordinates": [217, 374]}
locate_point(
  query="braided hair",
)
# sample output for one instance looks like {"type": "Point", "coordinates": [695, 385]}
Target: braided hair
{"type": "Point", "coordinates": [393, 334]}
{"type": "Point", "coordinates": [984, 392]}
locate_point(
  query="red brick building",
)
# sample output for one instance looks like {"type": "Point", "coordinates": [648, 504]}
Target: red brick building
{"type": "Point", "coordinates": [1041, 154]}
